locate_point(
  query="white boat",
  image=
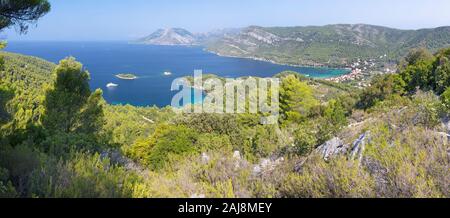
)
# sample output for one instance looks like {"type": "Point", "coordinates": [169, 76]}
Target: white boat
{"type": "Point", "coordinates": [167, 73]}
{"type": "Point", "coordinates": [111, 85]}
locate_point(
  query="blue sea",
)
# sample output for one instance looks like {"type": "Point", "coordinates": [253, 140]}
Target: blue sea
{"type": "Point", "coordinates": [106, 59]}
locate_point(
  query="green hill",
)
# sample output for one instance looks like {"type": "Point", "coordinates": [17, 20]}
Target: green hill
{"type": "Point", "coordinates": [328, 45]}
{"type": "Point", "coordinates": [331, 141]}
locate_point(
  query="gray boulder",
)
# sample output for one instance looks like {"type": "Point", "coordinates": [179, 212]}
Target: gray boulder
{"type": "Point", "coordinates": [336, 147]}
{"type": "Point", "coordinates": [332, 148]}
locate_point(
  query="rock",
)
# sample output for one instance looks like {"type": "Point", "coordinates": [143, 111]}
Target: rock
{"type": "Point", "coordinates": [237, 155]}
{"type": "Point", "coordinates": [336, 146]}
{"type": "Point", "coordinates": [117, 158]}
{"type": "Point", "coordinates": [266, 165]}
{"type": "Point", "coordinates": [332, 148]}
{"type": "Point", "coordinates": [359, 146]}
{"type": "Point", "coordinates": [205, 158]}
{"type": "Point", "coordinates": [257, 169]}
{"type": "Point", "coordinates": [448, 153]}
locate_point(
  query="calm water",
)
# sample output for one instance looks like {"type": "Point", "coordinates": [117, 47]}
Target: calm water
{"type": "Point", "coordinates": [106, 59]}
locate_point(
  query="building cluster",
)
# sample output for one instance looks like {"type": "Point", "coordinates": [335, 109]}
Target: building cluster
{"type": "Point", "coordinates": [360, 70]}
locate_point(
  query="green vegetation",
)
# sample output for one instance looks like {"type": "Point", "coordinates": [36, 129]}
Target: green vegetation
{"type": "Point", "coordinates": [22, 12]}
{"type": "Point", "coordinates": [330, 45]}
{"type": "Point", "coordinates": [60, 139]}
{"type": "Point", "coordinates": [296, 99]}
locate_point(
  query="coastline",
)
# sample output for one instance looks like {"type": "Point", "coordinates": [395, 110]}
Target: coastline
{"type": "Point", "coordinates": [321, 66]}
{"type": "Point", "coordinates": [204, 48]}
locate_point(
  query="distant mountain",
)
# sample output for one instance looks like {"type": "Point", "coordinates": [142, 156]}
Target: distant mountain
{"type": "Point", "coordinates": [217, 34]}
{"type": "Point", "coordinates": [330, 45]}
{"type": "Point", "coordinates": [327, 45]}
{"type": "Point", "coordinates": [172, 36]}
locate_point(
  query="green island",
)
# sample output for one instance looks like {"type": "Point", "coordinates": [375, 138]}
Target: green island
{"type": "Point", "coordinates": [126, 76]}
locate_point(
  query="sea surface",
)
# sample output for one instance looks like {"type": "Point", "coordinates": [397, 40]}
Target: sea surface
{"type": "Point", "coordinates": [106, 59]}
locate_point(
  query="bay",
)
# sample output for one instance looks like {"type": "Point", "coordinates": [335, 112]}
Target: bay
{"type": "Point", "coordinates": [106, 59]}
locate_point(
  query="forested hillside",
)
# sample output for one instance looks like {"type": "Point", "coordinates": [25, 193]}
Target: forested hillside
{"type": "Point", "coordinates": [330, 45]}
{"type": "Point", "coordinates": [60, 139]}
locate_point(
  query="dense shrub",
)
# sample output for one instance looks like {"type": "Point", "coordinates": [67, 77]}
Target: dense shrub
{"type": "Point", "coordinates": [83, 176]}
{"type": "Point", "coordinates": [338, 178]}
{"type": "Point", "coordinates": [166, 141]}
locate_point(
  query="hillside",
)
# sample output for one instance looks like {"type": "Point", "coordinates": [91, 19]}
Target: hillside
{"type": "Point", "coordinates": [331, 141]}
{"type": "Point", "coordinates": [332, 45]}
{"type": "Point", "coordinates": [24, 78]}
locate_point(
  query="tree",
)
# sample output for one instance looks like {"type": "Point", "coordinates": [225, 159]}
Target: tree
{"type": "Point", "coordinates": [422, 70]}
{"type": "Point", "coordinates": [445, 98]}
{"type": "Point", "coordinates": [381, 88]}
{"type": "Point", "coordinates": [332, 121]}
{"type": "Point", "coordinates": [416, 70]}
{"type": "Point", "coordinates": [418, 75]}
{"type": "Point", "coordinates": [69, 104]}
{"type": "Point", "coordinates": [296, 99]}
{"type": "Point", "coordinates": [3, 91]}
{"type": "Point", "coordinates": [21, 12]}
{"type": "Point", "coordinates": [441, 71]}
{"type": "Point", "coordinates": [91, 119]}
{"type": "Point", "coordinates": [305, 138]}
{"type": "Point", "coordinates": [417, 55]}
{"type": "Point", "coordinates": [6, 94]}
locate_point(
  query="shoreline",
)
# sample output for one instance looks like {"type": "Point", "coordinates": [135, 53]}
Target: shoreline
{"type": "Point", "coordinates": [322, 66]}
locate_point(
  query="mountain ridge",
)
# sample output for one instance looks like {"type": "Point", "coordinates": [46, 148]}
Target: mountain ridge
{"type": "Point", "coordinates": [328, 45]}
{"type": "Point", "coordinates": [169, 36]}
{"type": "Point", "coordinates": [336, 44]}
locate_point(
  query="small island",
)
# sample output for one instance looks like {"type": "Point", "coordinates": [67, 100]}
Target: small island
{"type": "Point", "coordinates": [126, 76]}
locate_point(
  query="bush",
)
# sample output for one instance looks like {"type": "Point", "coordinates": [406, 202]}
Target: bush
{"type": "Point", "coordinates": [339, 178]}
{"type": "Point", "coordinates": [410, 163]}
{"type": "Point", "coordinates": [7, 190]}
{"type": "Point", "coordinates": [166, 141]}
{"type": "Point", "coordinates": [20, 162]}
{"type": "Point", "coordinates": [445, 98]}
{"type": "Point", "coordinates": [83, 176]}
{"type": "Point", "coordinates": [380, 89]}
{"type": "Point", "coordinates": [305, 138]}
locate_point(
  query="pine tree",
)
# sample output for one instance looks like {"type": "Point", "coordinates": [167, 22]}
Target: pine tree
{"type": "Point", "coordinates": [296, 99]}
{"type": "Point", "coordinates": [69, 104]}
{"type": "Point", "coordinates": [21, 12]}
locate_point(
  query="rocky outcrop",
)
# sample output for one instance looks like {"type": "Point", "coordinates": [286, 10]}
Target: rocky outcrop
{"type": "Point", "coordinates": [117, 158]}
{"type": "Point", "coordinates": [262, 36]}
{"type": "Point", "coordinates": [332, 148]}
{"type": "Point", "coordinates": [359, 146]}
{"type": "Point", "coordinates": [336, 147]}
{"type": "Point", "coordinates": [266, 165]}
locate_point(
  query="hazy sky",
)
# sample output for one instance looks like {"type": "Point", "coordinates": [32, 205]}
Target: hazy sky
{"type": "Point", "coordinates": [130, 19]}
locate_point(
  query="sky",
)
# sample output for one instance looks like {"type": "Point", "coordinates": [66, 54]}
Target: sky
{"type": "Point", "coordinates": [101, 20]}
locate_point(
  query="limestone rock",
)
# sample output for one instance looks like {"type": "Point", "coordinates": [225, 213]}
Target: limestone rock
{"type": "Point", "coordinates": [332, 148]}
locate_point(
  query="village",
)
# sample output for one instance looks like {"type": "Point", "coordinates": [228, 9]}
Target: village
{"type": "Point", "coordinates": [362, 70]}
